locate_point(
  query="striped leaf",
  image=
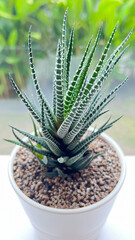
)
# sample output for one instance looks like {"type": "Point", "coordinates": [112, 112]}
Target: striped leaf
{"type": "Point", "coordinates": [45, 130]}
{"type": "Point", "coordinates": [95, 88]}
{"type": "Point", "coordinates": [74, 159]}
{"type": "Point", "coordinates": [78, 137]}
{"type": "Point", "coordinates": [31, 108]}
{"type": "Point", "coordinates": [54, 148]}
{"type": "Point", "coordinates": [65, 126]}
{"type": "Point", "coordinates": [85, 161]}
{"type": "Point", "coordinates": [100, 63]}
{"type": "Point", "coordinates": [83, 145]}
{"type": "Point", "coordinates": [79, 89]}
{"type": "Point", "coordinates": [94, 114]}
{"type": "Point", "coordinates": [64, 53]}
{"type": "Point", "coordinates": [59, 99]}
{"type": "Point", "coordinates": [15, 142]}
{"type": "Point", "coordinates": [93, 78]}
{"type": "Point", "coordinates": [69, 95]}
{"type": "Point", "coordinates": [116, 51]}
{"type": "Point", "coordinates": [46, 143]}
{"type": "Point", "coordinates": [86, 68]}
{"type": "Point", "coordinates": [38, 140]}
{"type": "Point", "coordinates": [33, 149]}
{"type": "Point", "coordinates": [41, 97]}
{"type": "Point", "coordinates": [68, 58]}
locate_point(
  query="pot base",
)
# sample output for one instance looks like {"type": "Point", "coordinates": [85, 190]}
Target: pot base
{"type": "Point", "coordinates": [45, 236]}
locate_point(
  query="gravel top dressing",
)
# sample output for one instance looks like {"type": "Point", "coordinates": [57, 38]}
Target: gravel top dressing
{"type": "Point", "coordinates": [77, 190]}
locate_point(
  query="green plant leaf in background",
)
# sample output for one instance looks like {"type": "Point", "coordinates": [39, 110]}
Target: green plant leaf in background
{"type": "Point", "coordinates": [2, 42]}
{"type": "Point", "coordinates": [13, 37]}
{"type": "Point", "coordinates": [45, 16]}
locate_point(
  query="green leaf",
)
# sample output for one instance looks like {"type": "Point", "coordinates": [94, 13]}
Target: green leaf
{"type": "Point", "coordinates": [37, 154]}
{"type": "Point", "coordinates": [14, 142]}
{"type": "Point", "coordinates": [12, 60]}
{"type": "Point", "coordinates": [35, 128]}
{"type": "Point", "coordinates": [2, 41]}
{"type": "Point", "coordinates": [36, 5]}
{"type": "Point", "coordinates": [7, 15]}
{"type": "Point", "coordinates": [36, 35]}
{"type": "Point", "coordinates": [13, 37]}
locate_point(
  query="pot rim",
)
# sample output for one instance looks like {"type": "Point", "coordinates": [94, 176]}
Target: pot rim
{"type": "Point", "coordinates": [75, 210]}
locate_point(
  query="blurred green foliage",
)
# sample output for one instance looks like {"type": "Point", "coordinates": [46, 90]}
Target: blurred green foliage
{"type": "Point", "coordinates": [46, 16]}
{"type": "Point", "coordinates": [88, 15]}
{"type": "Point", "coordinates": [16, 18]}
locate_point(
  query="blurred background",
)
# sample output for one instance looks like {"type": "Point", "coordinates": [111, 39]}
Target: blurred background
{"type": "Point", "coordinates": [46, 16]}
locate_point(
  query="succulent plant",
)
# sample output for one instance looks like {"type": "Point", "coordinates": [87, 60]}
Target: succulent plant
{"type": "Point", "coordinates": [77, 103]}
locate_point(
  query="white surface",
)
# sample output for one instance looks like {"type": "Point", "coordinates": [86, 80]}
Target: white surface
{"type": "Point", "coordinates": [14, 224]}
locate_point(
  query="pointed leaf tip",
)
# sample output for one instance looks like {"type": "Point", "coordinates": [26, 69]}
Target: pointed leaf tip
{"type": "Point", "coordinates": [30, 27]}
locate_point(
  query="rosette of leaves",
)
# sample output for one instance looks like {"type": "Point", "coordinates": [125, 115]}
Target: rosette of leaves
{"type": "Point", "coordinates": [77, 103]}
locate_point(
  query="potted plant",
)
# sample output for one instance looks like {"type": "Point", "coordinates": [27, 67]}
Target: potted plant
{"type": "Point", "coordinates": [69, 180]}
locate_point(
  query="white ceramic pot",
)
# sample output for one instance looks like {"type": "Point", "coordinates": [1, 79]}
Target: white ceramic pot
{"type": "Point", "coordinates": [69, 224]}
